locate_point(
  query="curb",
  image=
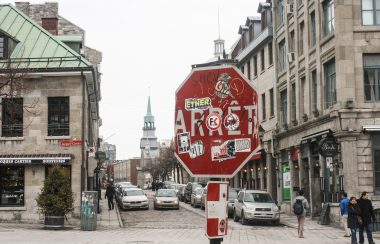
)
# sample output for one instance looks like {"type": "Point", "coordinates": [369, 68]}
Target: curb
{"type": "Point", "coordinates": [121, 224]}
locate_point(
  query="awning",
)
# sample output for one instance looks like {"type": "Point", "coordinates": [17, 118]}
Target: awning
{"type": "Point", "coordinates": [28, 159]}
{"type": "Point", "coordinates": [370, 128]}
{"type": "Point", "coordinates": [256, 156]}
{"type": "Point", "coordinates": [316, 136]}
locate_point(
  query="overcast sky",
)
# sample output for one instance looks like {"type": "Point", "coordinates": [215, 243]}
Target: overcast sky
{"type": "Point", "coordinates": [150, 43]}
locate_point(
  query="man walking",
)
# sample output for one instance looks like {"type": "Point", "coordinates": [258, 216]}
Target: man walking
{"type": "Point", "coordinates": [110, 191]}
{"type": "Point", "coordinates": [344, 213]}
{"type": "Point", "coordinates": [367, 215]}
{"type": "Point", "coordinates": [300, 205]}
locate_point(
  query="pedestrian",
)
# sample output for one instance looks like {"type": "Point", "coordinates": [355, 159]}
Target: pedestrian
{"type": "Point", "coordinates": [110, 192]}
{"type": "Point", "coordinates": [344, 213]}
{"type": "Point", "coordinates": [300, 205]}
{"type": "Point", "coordinates": [353, 220]}
{"type": "Point", "coordinates": [367, 215]}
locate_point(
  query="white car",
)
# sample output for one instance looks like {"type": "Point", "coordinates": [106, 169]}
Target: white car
{"type": "Point", "coordinates": [134, 198]}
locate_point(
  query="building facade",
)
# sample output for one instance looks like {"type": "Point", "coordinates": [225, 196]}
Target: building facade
{"type": "Point", "coordinates": [126, 170]}
{"type": "Point", "coordinates": [327, 97]}
{"type": "Point", "coordinates": [52, 119]}
{"type": "Point", "coordinates": [254, 54]}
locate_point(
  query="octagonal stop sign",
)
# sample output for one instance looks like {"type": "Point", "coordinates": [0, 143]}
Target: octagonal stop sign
{"type": "Point", "coordinates": [216, 122]}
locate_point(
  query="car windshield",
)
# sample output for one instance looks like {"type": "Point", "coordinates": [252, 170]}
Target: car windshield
{"type": "Point", "coordinates": [232, 194]}
{"type": "Point", "coordinates": [166, 194]}
{"type": "Point", "coordinates": [199, 191]}
{"type": "Point", "coordinates": [134, 193]}
{"type": "Point", "coordinates": [258, 197]}
{"type": "Point", "coordinates": [196, 186]}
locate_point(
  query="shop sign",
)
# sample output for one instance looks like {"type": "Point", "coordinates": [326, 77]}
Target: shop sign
{"type": "Point", "coordinates": [70, 143]}
{"type": "Point", "coordinates": [9, 161]}
{"type": "Point", "coordinates": [328, 147]}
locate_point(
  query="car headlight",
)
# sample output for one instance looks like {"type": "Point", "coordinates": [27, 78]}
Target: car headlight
{"type": "Point", "coordinates": [175, 202]}
{"type": "Point", "coordinates": [274, 208]}
{"type": "Point", "coordinates": [158, 201]}
{"type": "Point", "coordinates": [250, 208]}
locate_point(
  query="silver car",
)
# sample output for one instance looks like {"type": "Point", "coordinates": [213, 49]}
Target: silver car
{"type": "Point", "coordinates": [134, 198]}
{"type": "Point", "coordinates": [165, 198]}
{"type": "Point", "coordinates": [253, 205]}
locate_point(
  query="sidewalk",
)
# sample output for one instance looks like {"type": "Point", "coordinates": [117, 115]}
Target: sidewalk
{"type": "Point", "coordinates": [108, 219]}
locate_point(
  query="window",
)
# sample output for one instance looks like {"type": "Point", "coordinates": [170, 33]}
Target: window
{"type": "Point", "coordinates": [58, 116]}
{"type": "Point", "coordinates": [281, 12]}
{"type": "Point", "coordinates": [314, 91]}
{"type": "Point", "coordinates": [262, 59]}
{"type": "Point", "coordinates": [263, 105]}
{"type": "Point", "coordinates": [11, 186]}
{"type": "Point", "coordinates": [294, 108]}
{"type": "Point", "coordinates": [371, 71]}
{"type": "Point", "coordinates": [271, 98]}
{"type": "Point", "coordinates": [255, 65]}
{"type": "Point", "coordinates": [282, 55]}
{"type": "Point", "coordinates": [242, 69]}
{"type": "Point", "coordinates": [301, 38]}
{"type": "Point", "coordinates": [3, 47]}
{"type": "Point", "coordinates": [328, 16]}
{"type": "Point", "coordinates": [249, 70]}
{"type": "Point", "coordinates": [270, 50]}
{"type": "Point", "coordinates": [313, 33]}
{"type": "Point", "coordinates": [330, 86]}
{"type": "Point", "coordinates": [12, 114]}
{"type": "Point", "coordinates": [376, 162]}
{"type": "Point", "coordinates": [283, 107]}
{"type": "Point", "coordinates": [303, 100]}
{"type": "Point", "coordinates": [292, 42]}
{"type": "Point", "coordinates": [370, 12]}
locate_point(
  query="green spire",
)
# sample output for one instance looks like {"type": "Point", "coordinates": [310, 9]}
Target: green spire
{"type": "Point", "coordinates": [149, 118]}
{"type": "Point", "coordinates": [149, 110]}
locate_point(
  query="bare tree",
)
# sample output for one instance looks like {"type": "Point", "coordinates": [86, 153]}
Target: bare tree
{"type": "Point", "coordinates": [12, 89]}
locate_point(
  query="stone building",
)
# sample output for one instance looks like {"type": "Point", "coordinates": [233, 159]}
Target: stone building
{"type": "Point", "coordinates": [126, 170]}
{"type": "Point", "coordinates": [53, 118]}
{"type": "Point", "coordinates": [327, 86]}
{"type": "Point", "coordinates": [254, 54]}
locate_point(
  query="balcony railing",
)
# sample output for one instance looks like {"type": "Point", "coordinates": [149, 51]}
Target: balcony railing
{"type": "Point", "coordinates": [11, 130]}
{"type": "Point", "coordinates": [59, 129]}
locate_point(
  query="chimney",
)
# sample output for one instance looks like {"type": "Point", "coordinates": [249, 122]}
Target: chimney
{"type": "Point", "coordinates": [23, 6]}
{"type": "Point", "coordinates": [51, 25]}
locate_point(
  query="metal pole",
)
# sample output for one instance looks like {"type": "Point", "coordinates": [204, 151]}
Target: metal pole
{"type": "Point", "coordinates": [216, 241]}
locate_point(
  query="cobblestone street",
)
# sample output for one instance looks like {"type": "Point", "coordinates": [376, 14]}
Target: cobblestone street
{"type": "Point", "coordinates": [169, 226]}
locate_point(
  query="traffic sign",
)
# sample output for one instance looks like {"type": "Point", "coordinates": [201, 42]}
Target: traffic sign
{"type": "Point", "coordinates": [216, 122]}
{"type": "Point", "coordinates": [216, 209]}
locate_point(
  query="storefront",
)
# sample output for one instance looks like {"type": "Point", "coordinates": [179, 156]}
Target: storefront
{"type": "Point", "coordinates": [21, 179]}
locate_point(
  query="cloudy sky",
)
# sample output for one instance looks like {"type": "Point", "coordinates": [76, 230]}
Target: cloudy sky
{"type": "Point", "coordinates": [148, 48]}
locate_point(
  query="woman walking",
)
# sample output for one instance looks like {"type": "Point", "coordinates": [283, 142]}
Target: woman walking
{"type": "Point", "coordinates": [354, 220]}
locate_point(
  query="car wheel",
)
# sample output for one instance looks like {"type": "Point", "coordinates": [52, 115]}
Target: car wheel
{"type": "Point", "coordinates": [276, 222]}
{"type": "Point", "coordinates": [236, 218]}
{"type": "Point", "coordinates": [243, 219]}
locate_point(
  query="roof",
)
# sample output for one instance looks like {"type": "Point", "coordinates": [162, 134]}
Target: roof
{"type": "Point", "coordinates": [36, 48]}
{"type": "Point", "coordinates": [69, 38]}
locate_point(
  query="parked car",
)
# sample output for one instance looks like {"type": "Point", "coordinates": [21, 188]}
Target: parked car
{"type": "Point", "coordinates": [203, 198]}
{"type": "Point", "coordinates": [181, 193]}
{"type": "Point", "coordinates": [195, 199]}
{"type": "Point", "coordinates": [165, 198]}
{"type": "Point", "coordinates": [119, 192]}
{"type": "Point", "coordinates": [134, 198]}
{"type": "Point", "coordinates": [253, 205]}
{"type": "Point", "coordinates": [176, 187]}
{"type": "Point", "coordinates": [190, 187]}
{"type": "Point", "coordinates": [232, 195]}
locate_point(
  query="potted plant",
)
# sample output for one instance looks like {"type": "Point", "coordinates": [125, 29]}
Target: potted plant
{"type": "Point", "coordinates": [56, 199]}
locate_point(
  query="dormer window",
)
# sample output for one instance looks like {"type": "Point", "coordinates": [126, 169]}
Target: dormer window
{"type": "Point", "coordinates": [3, 47]}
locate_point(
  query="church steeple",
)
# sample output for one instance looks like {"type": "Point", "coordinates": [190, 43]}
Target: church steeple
{"type": "Point", "coordinates": [149, 118]}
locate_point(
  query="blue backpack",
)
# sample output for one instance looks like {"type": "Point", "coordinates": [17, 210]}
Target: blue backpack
{"type": "Point", "coordinates": [298, 207]}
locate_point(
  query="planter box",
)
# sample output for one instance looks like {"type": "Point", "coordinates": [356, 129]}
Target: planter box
{"type": "Point", "coordinates": [54, 222]}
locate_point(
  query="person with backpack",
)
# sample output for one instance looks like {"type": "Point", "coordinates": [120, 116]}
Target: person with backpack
{"type": "Point", "coordinates": [300, 205]}
{"type": "Point", "coordinates": [344, 213]}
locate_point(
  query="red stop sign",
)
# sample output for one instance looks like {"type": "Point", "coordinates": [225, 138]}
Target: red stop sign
{"type": "Point", "coordinates": [216, 122]}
